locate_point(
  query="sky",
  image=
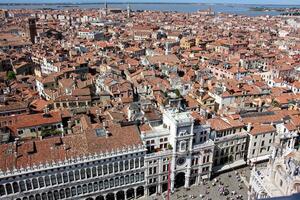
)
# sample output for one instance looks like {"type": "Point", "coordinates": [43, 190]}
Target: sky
{"type": "Point", "coordinates": [285, 2]}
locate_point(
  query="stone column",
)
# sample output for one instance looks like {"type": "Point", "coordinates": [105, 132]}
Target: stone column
{"type": "Point", "coordinates": [159, 188]}
{"type": "Point", "coordinates": [146, 192]}
{"type": "Point", "coordinates": [188, 173]}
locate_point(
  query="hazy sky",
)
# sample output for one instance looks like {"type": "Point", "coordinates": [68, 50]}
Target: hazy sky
{"type": "Point", "coordinates": [285, 2]}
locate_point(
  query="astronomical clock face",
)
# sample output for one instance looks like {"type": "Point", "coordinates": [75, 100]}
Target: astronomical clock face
{"type": "Point", "coordinates": [180, 161]}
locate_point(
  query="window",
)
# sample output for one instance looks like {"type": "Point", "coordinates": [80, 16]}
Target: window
{"type": "Point", "coordinates": [71, 176]}
{"type": "Point", "coordinates": [121, 165]}
{"type": "Point", "coordinates": [182, 146]}
{"type": "Point", "coordinates": [110, 168]}
{"type": "Point", "coordinates": [106, 184]}
{"type": "Point", "coordinates": [132, 178]}
{"type": "Point", "coordinates": [117, 181]}
{"type": "Point", "coordinates": [142, 176]}
{"type": "Point", "coordinates": [94, 172]}
{"type": "Point", "coordinates": [53, 180]}
{"type": "Point", "coordinates": [111, 183]}
{"type": "Point", "coordinates": [88, 173]}
{"type": "Point", "coordinates": [104, 169]}
{"type": "Point", "coordinates": [131, 164]}
{"type": "Point", "coordinates": [22, 186]}
{"type": "Point", "coordinates": [77, 175]}
{"type": "Point", "coordinates": [28, 184]}
{"type": "Point", "coordinates": [65, 177]}
{"type": "Point", "coordinates": [136, 163]}
{"type": "Point", "coordinates": [126, 165]}
{"type": "Point", "coordinates": [100, 185]}
{"type": "Point", "coordinates": [137, 177]}
{"type": "Point", "coordinates": [122, 180]}
{"type": "Point", "coordinates": [96, 186]}
{"type": "Point", "coordinates": [41, 182]}
{"type": "Point", "coordinates": [99, 170]}
{"type": "Point", "coordinates": [126, 179]}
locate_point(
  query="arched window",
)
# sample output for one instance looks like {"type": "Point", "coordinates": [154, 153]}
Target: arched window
{"type": "Point", "coordinates": [136, 163]}
{"type": "Point", "coordinates": [38, 197]}
{"type": "Point", "coordinates": [59, 178]}
{"type": "Point", "coordinates": [94, 172]}
{"type": "Point", "coordinates": [56, 194]}
{"type": "Point", "coordinates": [28, 184]}
{"type": "Point", "coordinates": [104, 169]}
{"type": "Point", "coordinates": [65, 177]}
{"type": "Point", "coordinates": [62, 193]}
{"type": "Point", "coordinates": [77, 177]}
{"type": "Point", "coordinates": [122, 180]}
{"type": "Point", "coordinates": [50, 195]}
{"type": "Point", "coordinates": [41, 182]}
{"type": "Point", "coordinates": [111, 183]}
{"type": "Point", "coordinates": [96, 186]}
{"type": "Point", "coordinates": [99, 170]}
{"type": "Point", "coordinates": [131, 164]}
{"type": "Point", "coordinates": [68, 192]}
{"type": "Point", "coordinates": [116, 167]}
{"type": "Point", "coordinates": [35, 183]}
{"type": "Point", "coordinates": [31, 197]}
{"type": "Point", "coordinates": [47, 180]}
{"type": "Point", "coordinates": [84, 189]}
{"type": "Point", "coordinates": [73, 191]}
{"type": "Point", "coordinates": [82, 173]}
{"type": "Point", "coordinates": [106, 184]}
{"type": "Point", "coordinates": [116, 181]}
{"type": "Point", "coordinates": [88, 173]}
{"type": "Point", "coordinates": [142, 176]}
{"type": "Point", "coordinates": [132, 178]}
{"type": "Point", "coordinates": [126, 165]}
{"type": "Point", "coordinates": [53, 180]}
{"type": "Point", "coordinates": [16, 187]}
{"type": "Point", "coordinates": [100, 185]}
{"type": "Point", "coordinates": [126, 179]}
{"type": "Point", "coordinates": [121, 166]}
{"type": "Point", "coordinates": [8, 188]}
{"type": "Point", "coordinates": [22, 186]}
{"type": "Point", "coordinates": [90, 187]}
{"type": "Point", "coordinates": [2, 190]}
{"type": "Point", "coordinates": [137, 177]}
{"type": "Point", "coordinates": [110, 168]}
{"type": "Point", "coordinates": [71, 176]}
{"type": "Point", "coordinates": [204, 159]}
{"type": "Point", "coordinates": [44, 196]}
{"type": "Point", "coordinates": [79, 190]}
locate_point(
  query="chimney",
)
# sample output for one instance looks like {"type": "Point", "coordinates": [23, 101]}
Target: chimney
{"type": "Point", "coordinates": [249, 127]}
